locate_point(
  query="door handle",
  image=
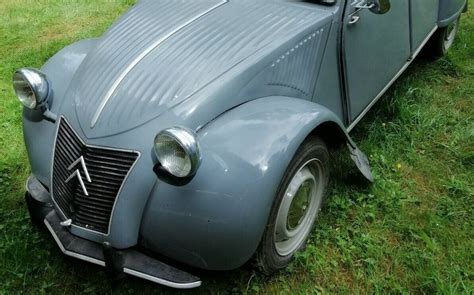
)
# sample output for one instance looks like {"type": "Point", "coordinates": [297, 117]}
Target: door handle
{"type": "Point", "coordinates": [354, 19]}
{"type": "Point", "coordinates": [364, 6]}
{"type": "Point", "coordinates": [358, 7]}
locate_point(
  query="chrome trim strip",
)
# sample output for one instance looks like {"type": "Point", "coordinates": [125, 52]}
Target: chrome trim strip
{"type": "Point", "coordinates": [187, 138]}
{"type": "Point", "coordinates": [161, 281]}
{"type": "Point", "coordinates": [58, 209]}
{"type": "Point", "coordinates": [139, 58]}
{"type": "Point", "coordinates": [412, 58]}
{"type": "Point", "coordinates": [69, 253]}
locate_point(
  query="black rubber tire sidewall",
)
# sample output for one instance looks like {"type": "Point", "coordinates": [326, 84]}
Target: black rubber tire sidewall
{"type": "Point", "coordinates": [37, 210]}
{"type": "Point", "coordinates": [267, 258]}
{"type": "Point", "coordinates": [434, 49]}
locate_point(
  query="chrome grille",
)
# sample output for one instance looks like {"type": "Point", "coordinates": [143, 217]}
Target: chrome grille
{"type": "Point", "coordinates": [87, 204]}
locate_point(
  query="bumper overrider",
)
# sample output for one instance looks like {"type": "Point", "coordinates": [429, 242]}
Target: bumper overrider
{"type": "Point", "coordinates": [117, 262]}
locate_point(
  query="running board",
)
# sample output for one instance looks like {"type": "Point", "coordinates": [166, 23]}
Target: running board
{"type": "Point", "coordinates": [119, 262]}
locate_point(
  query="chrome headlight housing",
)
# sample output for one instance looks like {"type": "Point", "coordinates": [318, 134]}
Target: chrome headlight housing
{"type": "Point", "coordinates": [31, 87]}
{"type": "Point", "coordinates": [177, 150]}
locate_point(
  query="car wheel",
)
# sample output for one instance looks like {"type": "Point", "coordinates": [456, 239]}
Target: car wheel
{"type": "Point", "coordinates": [442, 41]}
{"type": "Point", "coordinates": [296, 206]}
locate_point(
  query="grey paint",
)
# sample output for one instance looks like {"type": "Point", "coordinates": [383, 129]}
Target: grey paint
{"type": "Point", "coordinates": [204, 50]}
{"type": "Point", "coordinates": [449, 10]}
{"type": "Point", "coordinates": [369, 46]}
{"type": "Point", "coordinates": [226, 70]}
{"type": "Point", "coordinates": [327, 91]}
{"type": "Point", "coordinates": [226, 206]}
{"type": "Point", "coordinates": [38, 133]}
{"type": "Point", "coordinates": [423, 16]}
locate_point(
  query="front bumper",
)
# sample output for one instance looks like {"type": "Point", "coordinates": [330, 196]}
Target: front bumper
{"type": "Point", "coordinates": [117, 262]}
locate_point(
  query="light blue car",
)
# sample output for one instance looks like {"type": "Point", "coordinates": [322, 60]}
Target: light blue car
{"type": "Point", "coordinates": [200, 130]}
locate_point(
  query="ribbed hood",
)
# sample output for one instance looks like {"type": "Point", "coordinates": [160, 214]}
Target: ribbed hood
{"type": "Point", "coordinates": [162, 52]}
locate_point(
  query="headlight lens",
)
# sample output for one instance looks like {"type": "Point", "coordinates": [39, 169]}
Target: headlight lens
{"type": "Point", "coordinates": [177, 150]}
{"type": "Point", "coordinates": [31, 87]}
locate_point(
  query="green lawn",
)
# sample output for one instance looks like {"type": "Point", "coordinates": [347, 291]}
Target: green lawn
{"type": "Point", "coordinates": [410, 232]}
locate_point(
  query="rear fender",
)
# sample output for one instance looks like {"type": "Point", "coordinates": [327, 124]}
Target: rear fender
{"type": "Point", "coordinates": [450, 10]}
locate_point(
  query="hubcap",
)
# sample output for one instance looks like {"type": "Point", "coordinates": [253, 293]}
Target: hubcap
{"type": "Point", "coordinates": [299, 208]}
{"type": "Point", "coordinates": [299, 205]}
{"type": "Point", "coordinates": [451, 33]}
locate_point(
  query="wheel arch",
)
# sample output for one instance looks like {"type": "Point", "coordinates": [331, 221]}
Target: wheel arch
{"type": "Point", "coordinates": [225, 208]}
{"type": "Point", "coordinates": [331, 133]}
{"type": "Point", "coordinates": [450, 10]}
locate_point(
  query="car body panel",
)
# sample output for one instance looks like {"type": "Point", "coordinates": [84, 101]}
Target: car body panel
{"type": "Point", "coordinates": [449, 10]}
{"type": "Point", "coordinates": [244, 82]}
{"type": "Point", "coordinates": [327, 90]}
{"type": "Point", "coordinates": [367, 71]}
{"type": "Point", "coordinates": [227, 203]}
{"type": "Point", "coordinates": [251, 78]}
{"type": "Point", "coordinates": [39, 134]}
{"type": "Point", "coordinates": [196, 47]}
{"type": "Point", "coordinates": [424, 15]}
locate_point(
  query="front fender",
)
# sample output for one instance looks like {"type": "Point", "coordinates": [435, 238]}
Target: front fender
{"type": "Point", "coordinates": [39, 133]}
{"type": "Point", "coordinates": [61, 68]}
{"type": "Point", "coordinates": [216, 221]}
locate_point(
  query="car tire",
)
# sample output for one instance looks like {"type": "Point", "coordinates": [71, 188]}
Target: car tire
{"type": "Point", "coordinates": [442, 40]}
{"type": "Point", "coordinates": [296, 206]}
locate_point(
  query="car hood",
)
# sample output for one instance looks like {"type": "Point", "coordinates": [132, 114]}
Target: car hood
{"type": "Point", "coordinates": [162, 53]}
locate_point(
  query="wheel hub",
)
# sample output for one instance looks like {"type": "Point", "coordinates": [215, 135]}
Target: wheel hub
{"type": "Point", "coordinates": [299, 208]}
{"type": "Point", "coordinates": [299, 205]}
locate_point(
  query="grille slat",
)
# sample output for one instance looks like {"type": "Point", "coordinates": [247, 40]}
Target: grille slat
{"type": "Point", "coordinates": [92, 161]}
{"type": "Point", "coordinates": [97, 193]}
{"type": "Point", "coordinates": [92, 214]}
{"type": "Point", "coordinates": [87, 223]}
{"type": "Point", "coordinates": [96, 211]}
{"type": "Point", "coordinates": [103, 171]}
{"type": "Point", "coordinates": [103, 189]}
{"type": "Point", "coordinates": [107, 159]}
{"type": "Point", "coordinates": [71, 145]}
{"type": "Point", "coordinates": [104, 184]}
{"type": "Point", "coordinates": [66, 157]}
{"type": "Point", "coordinates": [104, 206]}
{"type": "Point", "coordinates": [107, 169]}
{"type": "Point", "coordinates": [70, 134]}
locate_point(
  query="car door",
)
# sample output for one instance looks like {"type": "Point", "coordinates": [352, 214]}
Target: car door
{"type": "Point", "coordinates": [424, 16]}
{"type": "Point", "coordinates": [376, 49]}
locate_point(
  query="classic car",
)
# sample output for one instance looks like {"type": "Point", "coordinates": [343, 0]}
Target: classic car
{"type": "Point", "coordinates": [197, 132]}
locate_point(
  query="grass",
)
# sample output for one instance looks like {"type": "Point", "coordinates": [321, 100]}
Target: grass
{"type": "Point", "coordinates": [409, 232]}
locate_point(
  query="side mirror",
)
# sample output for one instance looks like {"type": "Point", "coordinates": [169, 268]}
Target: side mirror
{"type": "Point", "coordinates": [380, 6]}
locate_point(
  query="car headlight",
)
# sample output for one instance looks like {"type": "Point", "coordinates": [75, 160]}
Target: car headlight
{"type": "Point", "coordinates": [177, 150]}
{"type": "Point", "coordinates": [31, 87]}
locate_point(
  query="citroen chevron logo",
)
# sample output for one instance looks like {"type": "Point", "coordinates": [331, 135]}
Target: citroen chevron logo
{"type": "Point", "coordinates": [77, 174]}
